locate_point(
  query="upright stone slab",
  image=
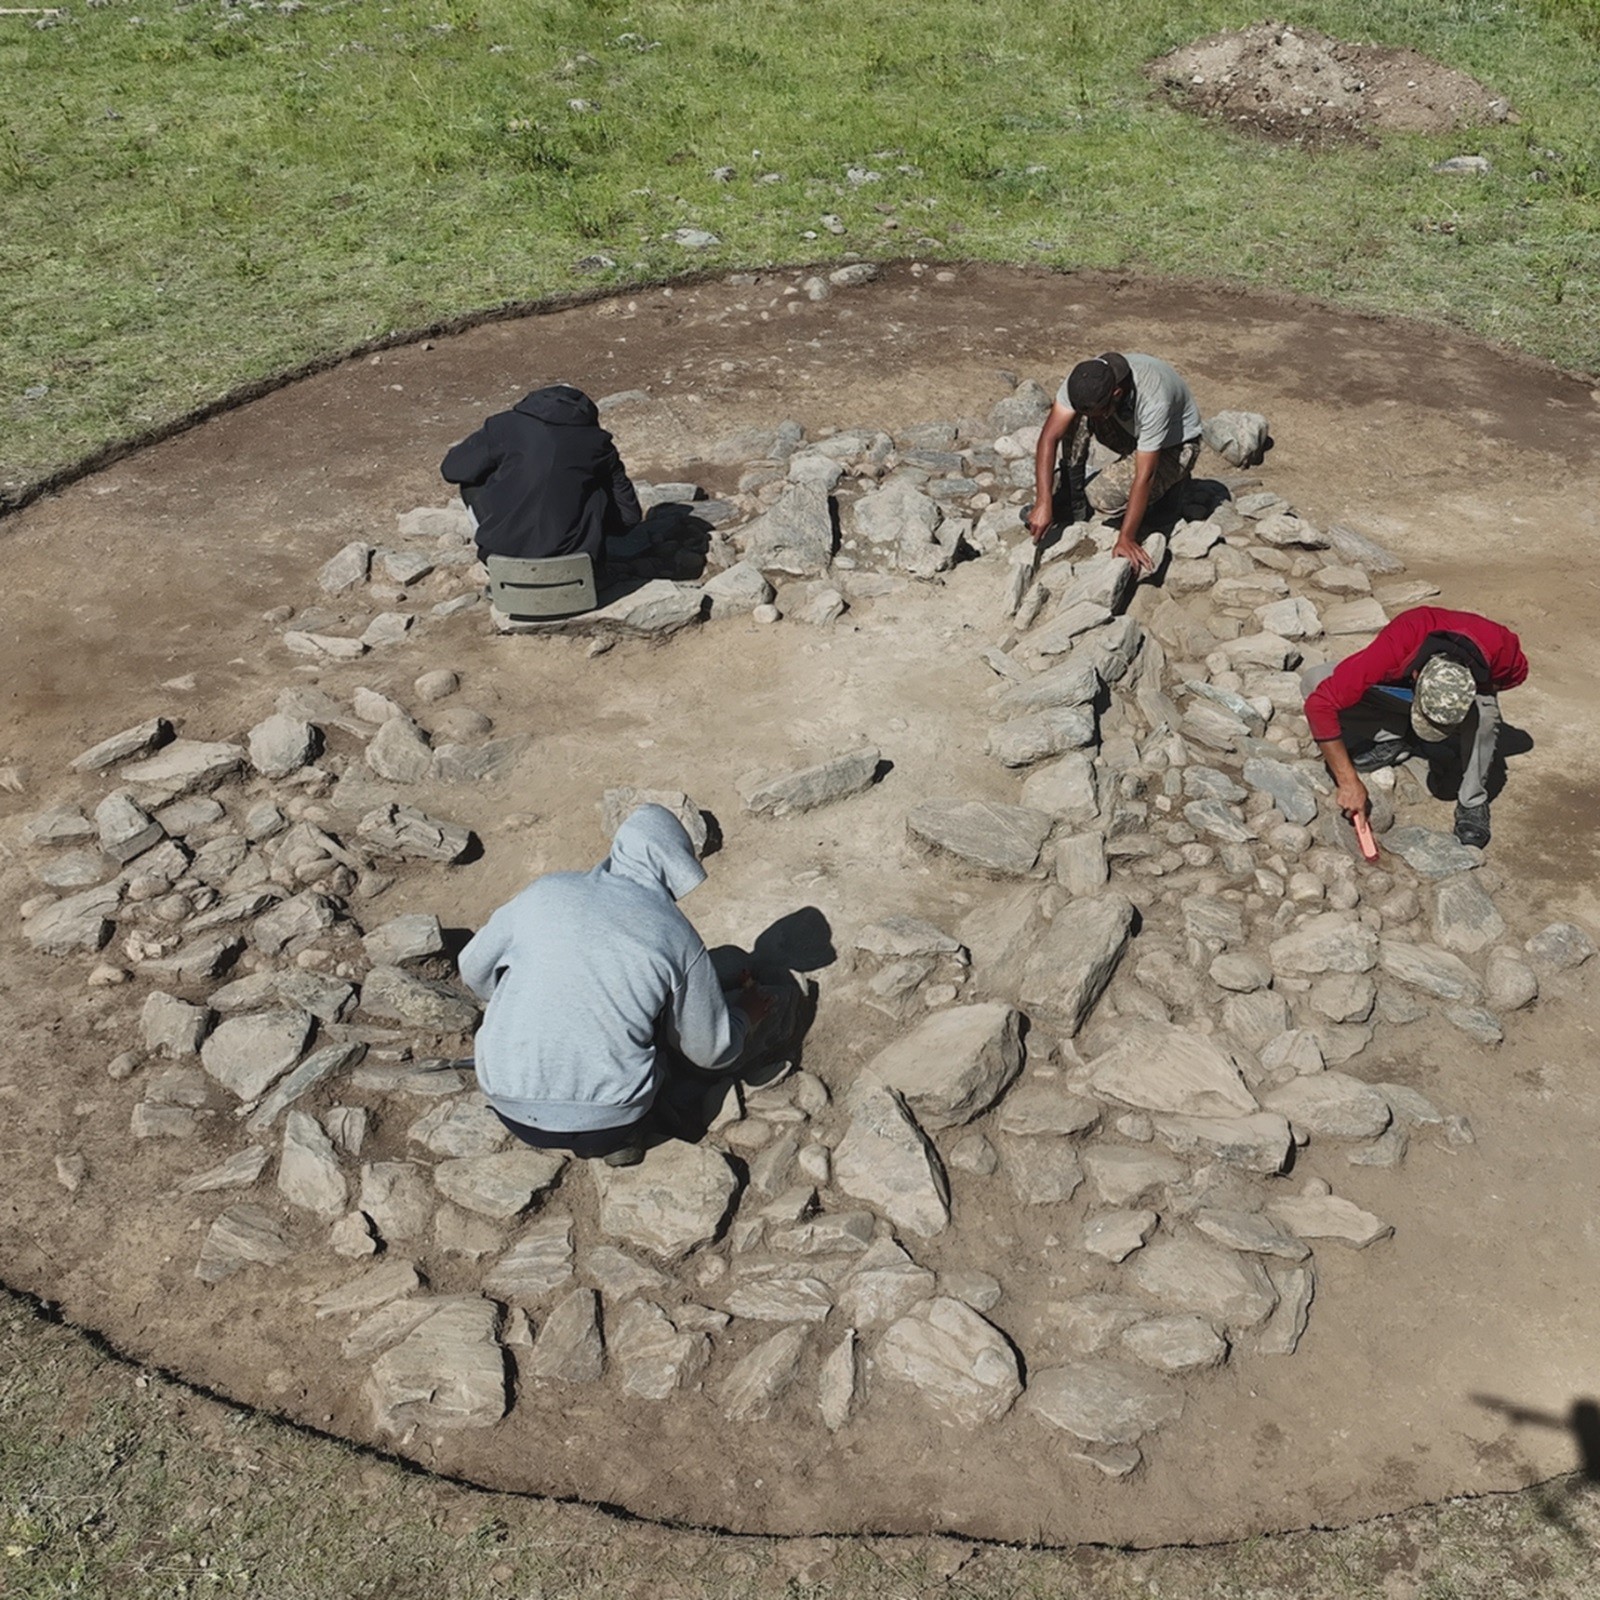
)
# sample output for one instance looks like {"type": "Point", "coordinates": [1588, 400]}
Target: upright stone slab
{"type": "Point", "coordinates": [1073, 959]}
{"type": "Point", "coordinates": [885, 1159]}
{"type": "Point", "coordinates": [954, 1065]}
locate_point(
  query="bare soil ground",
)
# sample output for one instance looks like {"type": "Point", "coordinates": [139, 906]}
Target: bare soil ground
{"type": "Point", "coordinates": [1478, 467]}
{"type": "Point", "coordinates": [1300, 85]}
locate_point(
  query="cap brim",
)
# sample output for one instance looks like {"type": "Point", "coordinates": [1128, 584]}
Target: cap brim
{"type": "Point", "coordinates": [1432, 732]}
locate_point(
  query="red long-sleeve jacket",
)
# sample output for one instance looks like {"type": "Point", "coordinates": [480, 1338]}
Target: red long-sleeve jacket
{"type": "Point", "coordinates": [1393, 657]}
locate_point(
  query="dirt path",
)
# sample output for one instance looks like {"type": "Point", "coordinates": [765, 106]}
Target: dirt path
{"type": "Point", "coordinates": [1477, 467]}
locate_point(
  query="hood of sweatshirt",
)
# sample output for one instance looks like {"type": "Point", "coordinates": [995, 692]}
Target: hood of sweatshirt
{"type": "Point", "coordinates": [560, 404]}
{"type": "Point", "coordinates": [651, 848]}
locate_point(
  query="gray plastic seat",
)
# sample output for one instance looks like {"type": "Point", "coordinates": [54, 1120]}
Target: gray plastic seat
{"type": "Point", "coordinates": [541, 590]}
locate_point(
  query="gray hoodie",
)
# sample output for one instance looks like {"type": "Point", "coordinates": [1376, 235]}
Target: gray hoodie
{"type": "Point", "coordinates": [579, 970]}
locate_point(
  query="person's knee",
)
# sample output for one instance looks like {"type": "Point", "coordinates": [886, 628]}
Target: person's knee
{"type": "Point", "coordinates": [1105, 497]}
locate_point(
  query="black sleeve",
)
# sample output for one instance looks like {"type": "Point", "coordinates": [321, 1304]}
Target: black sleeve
{"type": "Point", "coordinates": [471, 461]}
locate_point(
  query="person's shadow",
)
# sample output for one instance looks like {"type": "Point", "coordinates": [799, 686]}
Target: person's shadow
{"type": "Point", "coordinates": [1444, 768]}
{"type": "Point", "coordinates": [800, 942]}
{"type": "Point", "coordinates": [1555, 1499]}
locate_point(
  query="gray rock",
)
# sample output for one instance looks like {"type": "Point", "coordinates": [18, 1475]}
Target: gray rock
{"type": "Point", "coordinates": [154, 1121]}
{"type": "Point", "coordinates": [239, 1171]}
{"type": "Point", "coordinates": [244, 1235]}
{"type": "Point", "coordinates": [466, 1127]}
{"type": "Point", "coordinates": [438, 684]}
{"type": "Point", "coordinates": [1283, 1330]}
{"type": "Point", "coordinates": [1248, 1231]}
{"type": "Point", "coordinates": [760, 1379]}
{"type": "Point", "coordinates": [78, 922]}
{"type": "Point", "coordinates": [1239, 437]}
{"type": "Point", "coordinates": [404, 938]}
{"type": "Point", "coordinates": [1025, 740]}
{"type": "Point", "coordinates": [1258, 1143]}
{"type": "Point", "coordinates": [1083, 864]}
{"type": "Point", "coordinates": [657, 609]}
{"type": "Point", "coordinates": [399, 751]}
{"type": "Point", "coordinates": [654, 1357]}
{"type": "Point", "coordinates": [1156, 1067]}
{"type": "Point", "coordinates": [169, 1026]}
{"type": "Point", "coordinates": [617, 1275]}
{"type": "Point", "coordinates": [1067, 625]}
{"type": "Point", "coordinates": [186, 766]}
{"type": "Point", "coordinates": [1362, 615]}
{"type": "Point", "coordinates": [447, 1374]}
{"type": "Point", "coordinates": [997, 839]}
{"type": "Point", "coordinates": [398, 1197]}
{"type": "Point", "coordinates": [896, 938]}
{"type": "Point", "coordinates": [1331, 1104]}
{"type": "Point", "coordinates": [795, 536]}
{"type": "Point", "coordinates": [1464, 916]}
{"type": "Point", "coordinates": [814, 786]}
{"type": "Point", "coordinates": [411, 835]}
{"type": "Point", "coordinates": [1476, 1023]}
{"type": "Point", "coordinates": [1330, 941]}
{"type": "Point", "coordinates": [1294, 797]}
{"type": "Point", "coordinates": [136, 741]}
{"type": "Point", "coordinates": [838, 1382]}
{"type": "Point", "coordinates": [737, 591]}
{"type": "Point", "coordinates": [126, 830]}
{"type": "Point", "coordinates": [1361, 551]}
{"type": "Point", "coordinates": [1434, 855]}
{"type": "Point", "coordinates": [1042, 1171]}
{"type": "Point", "coordinates": [395, 995]}
{"type": "Point", "coordinates": [1344, 997]}
{"type": "Point", "coordinates": [248, 1054]}
{"type": "Point", "coordinates": [198, 959]}
{"type": "Point", "coordinates": [308, 1168]}
{"type": "Point", "coordinates": [1176, 1344]}
{"type": "Point", "coordinates": [537, 1265]}
{"type": "Point", "coordinates": [885, 1284]}
{"type": "Point", "coordinates": [888, 516]}
{"type": "Point", "coordinates": [1560, 947]}
{"type": "Point", "coordinates": [327, 999]}
{"type": "Point", "coordinates": [672, 1203]}
{"type": "Point", "coordinates": [955, 1064]}
{"type": "Point", "coordinates": [1255, 1019]}
{"type": "Point", "coordinates": [885, 1159]}
{"type": "Point", "coordinates": [281, 745]}
{"type": "Point", "coordinates": [962, 1366]}
{"type": "Point", "coordinates": [1240, 973]}
{"type": "Point", "coordinates": [1220, 1285]}
{"type": "Point", "coordinates": [1046, 1108]}
{"type": "Point", "coordinates": [1509, 984]}
{"type": "Point", "coordinates": [1025, 407]}
{"type": "Point", "coordinates": [380, 1286]}
{"type": "Point", "coordinates": [502, 1185]}
{"type": "Point", "coordinates": [1388, 1150]}
{"type": "Point", "coordinates": [1326, 1216]}
{"type": "Point", "coordinates": [459, 763]}
{"type": "Point", "coordinates": [782, 1300]}
{"type": "Point", "coordinates": [1120, 1176]}
{"type": "Point", "coordinates": [300, 918]}
{"type": "Point", "coordinates": [1115, 1235]}
{"type": "Point", "coordinates": [58, 825]}
{"type": "Point", "coordinates": [1215, 819]}
{"type": "Point", "coordinates": [1072, 683]}
{"type": "Point", "coordinates": [320, 1065]}
{"type": "Point", "coordinates": [1101, 1403]}
{"type": "Point", "coordinates": [1434, 971]}
{"type": "Point", "coordinates": [345, 569]}
{"type": "Point", "coordinates": [1069, 966]}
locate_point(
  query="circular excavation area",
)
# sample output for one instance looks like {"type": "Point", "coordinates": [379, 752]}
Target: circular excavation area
{"type": "Point", "coordinates": [1149, 1167]}
{"type": "Point", "coordinates": [1300, 85]}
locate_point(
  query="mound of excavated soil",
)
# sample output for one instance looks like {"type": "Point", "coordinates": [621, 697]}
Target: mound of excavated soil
{"type": "Point", "coordinates": [1297, 84]}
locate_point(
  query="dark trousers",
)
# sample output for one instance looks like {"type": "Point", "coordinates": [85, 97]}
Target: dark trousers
{"type": "Point", "coordinates": [589, 1146]}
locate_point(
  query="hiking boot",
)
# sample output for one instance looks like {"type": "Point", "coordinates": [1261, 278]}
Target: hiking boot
{"type": "Point", "coordinates": [1472, 825]}
{"type": "Point", "coordinates": [1385, 753]}
{"type": "Point", "coordinates": [628, 1155]}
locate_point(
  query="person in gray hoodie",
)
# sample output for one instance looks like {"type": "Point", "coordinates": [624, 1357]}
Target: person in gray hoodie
{"type": "Point", "coordinates": [587, 975]}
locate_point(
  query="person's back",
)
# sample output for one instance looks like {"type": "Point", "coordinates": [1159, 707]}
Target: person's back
{"type": "Point", "coordinates": [580, 969]}
{"type": "Point", "coordinates": [544, 479]}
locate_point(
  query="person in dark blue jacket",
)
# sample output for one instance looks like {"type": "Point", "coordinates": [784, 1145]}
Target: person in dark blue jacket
{"type": "Point", "coordinates": [544, 479]}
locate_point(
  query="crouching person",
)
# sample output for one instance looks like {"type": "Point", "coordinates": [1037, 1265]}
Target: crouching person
{"type": "Point", "coordinates": [591, 979]}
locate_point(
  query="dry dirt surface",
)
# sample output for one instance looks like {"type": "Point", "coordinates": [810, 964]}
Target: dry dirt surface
{"type": "Point", "coordinates": [152, 588]}
{"type": "Point", "coordinates": [1298, 84]}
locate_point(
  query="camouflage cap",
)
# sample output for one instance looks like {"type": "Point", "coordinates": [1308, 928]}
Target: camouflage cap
{"type": "Point", "coordinates": [1444, 695]}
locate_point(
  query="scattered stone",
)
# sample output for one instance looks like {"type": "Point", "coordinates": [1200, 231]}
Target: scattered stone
{"type": "Point", "coordinates": [1329, 941]}
{"type": "Point", "coordinates": [352, 1237]}
{"type": "Point", "coordinates": [1046, 1108]}
{"type": "Point", "coordinates": [382, 1284]}
{"type": "Point", "coordinates": [239, 1171]}
{"type": "Point", "coordinates": [1101, 1403]}
{"type": "Point", "coordinates": [1249, 1231]}
{"type": "Point", "coordinates": [244, 1235]}
{"type": "Point", "coordinates": [962, 1366]}
{"type": "Point", "coordinates": [399, 751]}
{"type": "Point", "coordinates": [308, 1168]}
{"type": "Point", "coordinates": [997, 839]}
{"type": "Point", "coordinates": [812, 786]}
{"type": "Point", "coordinates": [169, 1026]}
{"type": "Point", "coordinates": [955, 1065]}
{"type": "Point", "coordinates": [1508, 983]}
{"type": "Point", "coordinates": [398, 1198]}
{"type": "Point", "coordinates": [409, 834]}
{"type": "Point", "coordinates": [1283, 1330]}
{"type": "Point", "coordinates": [185, 766]}
{"type": "Point", "coordinates": [887, 1161]}
{"type": "Point", "coordinates": [671, 1203]}
{"type": "Point", "coordinates": [248, 1054]}
{"type": "Point", "coordinates": [1434, 971]}
{"type": "Point", "coordinates": [1176, 1344]}
{"type": "Point", "coordinates": [1258, 1143]}
{"type": "Point", "coordinates": [1433, 854]}
{"type": "Point", "coordinates": [467, 1127]}
{"type": "Point", "coordinates": [569, 1348]}
{"type": "Point", "coordinates": [1120, 1176]}
{"type": "Point", "coordinates": [1042, 1171]}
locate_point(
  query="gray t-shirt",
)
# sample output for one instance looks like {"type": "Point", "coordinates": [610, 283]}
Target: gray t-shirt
{"type": "Point", "coordinates": [1160, 412]}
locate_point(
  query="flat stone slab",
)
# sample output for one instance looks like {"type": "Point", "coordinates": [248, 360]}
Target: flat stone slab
{"type": "Point", "coordinates": [962, 1367]}
{"type": "Point", "coordinates": [1185, 1275]}
{"type": "Point", "coordinates": [761, 1378]}
{"type": "Point", "coordinates": [1073, 959]}
{"type": "Point", "coordinates": [446, 1374]}
{"type": "Point", "coordinates": [1163, 1068]}
{"type": "Point", "coordinates": [814, 786]}
{"type": "Point", "coordinates": [1331, 1104]}
{"type": "Point", "coordinates": [671, 1203]}
{"type": "Point", "coordinates": [502, 1185]}
{"type": "Point", "coordinates": [1101, 1403]}
{"type": "Point", "coordinates": [244, 1235]}
{"type": "Point", "coordinates": [1433, 854]}
{"type": "Point", "coordinates": [249, 1054]}
{"type": "Point", "coordinates": [998, 839]}
{"type": "Point", "coordinates": [1327, 1216]}
{"type": "Point", "coordinates": [955, 1064]}
{"type": "Point", "coordinates": [886, 1160]}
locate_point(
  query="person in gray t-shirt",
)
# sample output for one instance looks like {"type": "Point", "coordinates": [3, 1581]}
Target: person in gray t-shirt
{"type": "Point", "coordinates": [1142, 418]}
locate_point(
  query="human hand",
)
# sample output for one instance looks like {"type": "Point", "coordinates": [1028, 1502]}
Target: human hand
{"type": "Point", "coordinates": [1133, 553]}
{"type": "Point", "coordinates": [755, 1003]}
{"type": "Point", "coordinates": [1039, 520]}
{"type": "Point", "coordinates": [1351, 795]}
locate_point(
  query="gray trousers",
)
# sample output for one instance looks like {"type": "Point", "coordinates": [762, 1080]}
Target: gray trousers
{"type": "Point", "coordinates": [1377, 718]}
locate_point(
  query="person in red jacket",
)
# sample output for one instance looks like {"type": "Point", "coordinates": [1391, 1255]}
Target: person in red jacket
{"type": "Point", "coordinates": [1429, 676]}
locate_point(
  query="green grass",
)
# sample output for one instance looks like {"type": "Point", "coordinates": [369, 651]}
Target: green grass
{"type": "Point", "coordinates": [198, 195]}
{"type": "Point", "coordinates": [114, 1482]}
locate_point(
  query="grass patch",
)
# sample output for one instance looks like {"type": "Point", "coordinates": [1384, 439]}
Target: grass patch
{"type": "Point", "coordinates": [200, 194]}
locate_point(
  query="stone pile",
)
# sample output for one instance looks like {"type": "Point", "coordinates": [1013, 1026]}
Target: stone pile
{"type": "Point", "coordinates": [1182, 977]}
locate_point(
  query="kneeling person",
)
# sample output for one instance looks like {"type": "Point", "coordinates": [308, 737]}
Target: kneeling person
{"type": "Point", "coordinates": [1142, 414]}
{"type": "Point", "coordinates": [589, 978]}
{"type": "Point", "coordinates": [1430, 675]}
{"type": "Point", "coordinates": [544, 479]}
